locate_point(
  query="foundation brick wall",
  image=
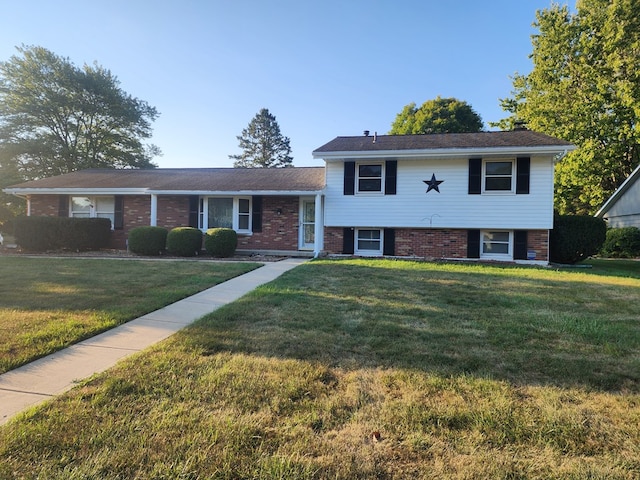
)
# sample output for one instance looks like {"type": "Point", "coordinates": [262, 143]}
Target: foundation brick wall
{"type": "Point", "coordinates": [435, 243]}
{"type": "Point", "coordinates": [431, 243]}
{"type": "Point", "coordinates": [279, 232]}
{"type": "Point", "coordinates": [538, 241]}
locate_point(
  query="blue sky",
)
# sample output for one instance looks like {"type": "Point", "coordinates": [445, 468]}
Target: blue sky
{"type": "Point", "coordinates": [323, 68]}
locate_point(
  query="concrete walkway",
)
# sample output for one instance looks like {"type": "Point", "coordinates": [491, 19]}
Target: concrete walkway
{"type": "Point", "coordinates": [52, 375]}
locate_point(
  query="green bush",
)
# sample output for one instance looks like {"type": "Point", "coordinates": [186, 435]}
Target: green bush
{"type": "Point", "coordinates": [184, 241]}
{"type": "Point", "coordinates": [40, 234]}
{"type": "Point", "coordinates": [221, 242]}
{"type": "Point", "coordinates": [622, 243]}
{"type": "Point", "coordinates": [147, 240]}
{"type": "Point", "coordinates": [576, 237]}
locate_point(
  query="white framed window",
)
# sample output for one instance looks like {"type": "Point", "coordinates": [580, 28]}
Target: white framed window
{"type": "Point", "coordinates": [496, 244]}
{"type": "Point", "coordinates": [368, 242]}
{"type": "Point", "coordinates": [225, 212]}
{"type": "Point", "coordinates": [498, 176]}
{"type": "Point", "coordinates": [93, 207]}
{"type": "Point", "coordinates": [370, 178]}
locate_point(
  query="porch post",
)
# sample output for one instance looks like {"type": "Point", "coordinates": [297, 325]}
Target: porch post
{"type": "Point", "coordinates": [318, 232]}
{"type": "Point", "coordinates": [153, 221]}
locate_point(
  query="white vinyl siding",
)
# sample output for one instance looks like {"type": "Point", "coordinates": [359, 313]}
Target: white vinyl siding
{"type": "Point", "coordinates": [453, 207]}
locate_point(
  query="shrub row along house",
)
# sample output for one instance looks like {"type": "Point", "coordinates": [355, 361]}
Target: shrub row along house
{"type": "Point", "coordinates": [486, 195]}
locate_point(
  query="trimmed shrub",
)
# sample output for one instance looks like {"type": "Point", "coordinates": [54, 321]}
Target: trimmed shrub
{"type": "Point", "coordinates": [576, 237]}
{"type": "Point", "coordinates": [40, 234]}
{"type": "Point", "coordinates": [622, 243]}
{"type": "Point", "coordinates": [147, 240]}
{"type": "Point", "coordinates": [221, 242]}
{"type": "Point", "coordinates": [184, 241]}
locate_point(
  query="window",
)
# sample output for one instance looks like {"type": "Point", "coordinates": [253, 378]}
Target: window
{"type": "Point", "coordinates": [225, 212]}
{"type": "Point", "coordinates": [93, 207]}
{"type": "Point", "coordinates": [220, 214]}
{"type": "Point", "coordinates": [496, 244]}
{"type": "Point", "coordinates": [368, 242]}
{"type": "Point", "coordinates": [498, 176]}
{"type": "Point", "coordinates": [244, 213]}
{"type": "Point", "coordinates": [80, 207]}
{"type": "Point", "coordinates": [369, 178]}
{"type": "Point", "coordinates": [105, 208]}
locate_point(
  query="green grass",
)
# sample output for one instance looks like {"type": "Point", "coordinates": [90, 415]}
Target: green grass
{"type": "Point", "coordinates": [48, 304]}
{"type": "Point", "coordinates": [466, 371]}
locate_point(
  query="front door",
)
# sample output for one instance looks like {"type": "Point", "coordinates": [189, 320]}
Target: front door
{"type": "Point", "coordinates": [307, 223]}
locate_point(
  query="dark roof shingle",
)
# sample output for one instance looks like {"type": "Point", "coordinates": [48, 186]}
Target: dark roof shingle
{"type": "Point", "coordinates": [433, 141]}
{"type": "Point", "coordinates": [189, 179]}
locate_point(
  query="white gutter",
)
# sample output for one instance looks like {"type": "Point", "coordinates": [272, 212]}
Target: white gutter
{"type": "Point", "coordinates": [146, 191]}
{"type": "Point", "coordinates": [77, 190]}
{"type": "Point", "coordinates": [237, 192]}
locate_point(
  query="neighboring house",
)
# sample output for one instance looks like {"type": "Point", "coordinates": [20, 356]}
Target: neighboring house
{"type": "Point", "coordinates": [622, 209]}
{"type": "Point", "coordinates": [485, 195]}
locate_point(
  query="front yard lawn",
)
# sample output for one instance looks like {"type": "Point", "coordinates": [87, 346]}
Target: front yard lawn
{"type": "Point", "coordinates": [361, 369]}
{"type": "Point", "coordinates": [49, 303]}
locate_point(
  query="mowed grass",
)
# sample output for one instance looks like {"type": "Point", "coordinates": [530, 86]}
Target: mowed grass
{"type": "Point", "coordinates": [360, 369]}
{"type": "Point", "coordinates": [47, 304]}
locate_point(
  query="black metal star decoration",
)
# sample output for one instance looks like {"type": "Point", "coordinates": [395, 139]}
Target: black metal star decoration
{"type": "Point", "coordinates": [433, 183]}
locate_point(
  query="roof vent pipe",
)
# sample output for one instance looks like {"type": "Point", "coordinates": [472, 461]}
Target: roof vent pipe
{"type": "Point", "coordinates": [366, 133]}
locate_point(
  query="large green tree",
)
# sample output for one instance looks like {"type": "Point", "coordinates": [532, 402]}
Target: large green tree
{"type": "Point", "coordinates": [441, 115]}
{"type": "Point", "coordinates": [262, 144]}
{"type": "Point", "coordinates": [585, 88]}
{"type": "Point", "coordinates": [56, 117]}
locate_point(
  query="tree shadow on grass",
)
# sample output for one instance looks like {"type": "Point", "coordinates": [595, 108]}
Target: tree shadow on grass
{"type": "Point", "coordinates": [527, 329]}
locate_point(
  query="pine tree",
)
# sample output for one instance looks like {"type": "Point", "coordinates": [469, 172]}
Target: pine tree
{"type": "Point", "coordinates": [262, 144]}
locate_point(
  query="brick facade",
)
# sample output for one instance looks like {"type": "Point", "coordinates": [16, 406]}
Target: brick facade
{"type": "Point", "coordinates": [44, 205]}
{"type": "Point", "coordinates": [280, 219]}
{"type": "Point", "coordinates": [436, 243]}
{"type": "Point", "coordinates": [280, 226]}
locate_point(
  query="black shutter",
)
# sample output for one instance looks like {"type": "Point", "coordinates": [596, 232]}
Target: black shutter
{"type": "Point", "coordinates": [118, 212]}
{"type": "Point", "coordinates": [389, 247]}
{"type": "Point", "coordinates": [349, 177]}
{"type": "Point", "coordinates": [475, 176]}
{"type": "Point", "coordinates": [473, 243]}
{"type": "Point", "coordinates": [194, 207]}
{"type": "Point", "coordinates": [347, 240]}
{"type": "Point", "coordinates": [390, 177]}
{"type": "Point", "coordinates": [523, 166]}
{"type": "Point", "coordinates": [256, 215]}
{"type": "Point", "coordinates": [520, 245]}
{"type": "Point", "coordinates": [63, 205]}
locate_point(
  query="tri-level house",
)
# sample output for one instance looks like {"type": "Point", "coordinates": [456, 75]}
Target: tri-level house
{"type": "Point", "coordinates": [485, 195]}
